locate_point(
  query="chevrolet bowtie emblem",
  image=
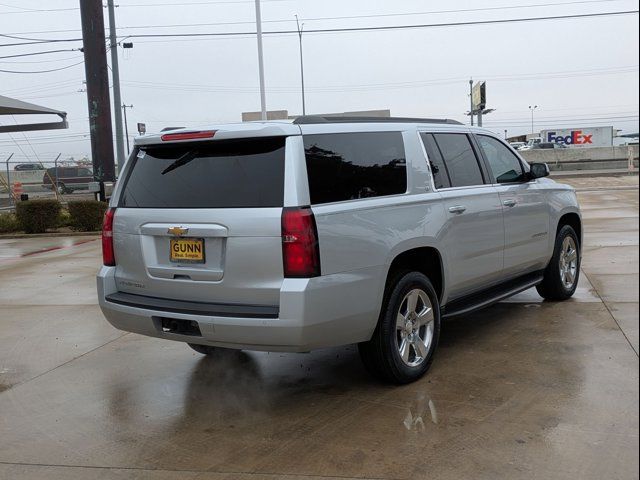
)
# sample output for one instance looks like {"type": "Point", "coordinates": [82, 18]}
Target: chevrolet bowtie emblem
{"type": "Point", "coordinates": [177, 231]}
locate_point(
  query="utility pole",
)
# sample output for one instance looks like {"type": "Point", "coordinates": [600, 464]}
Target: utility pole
{"type": "Point", "coordinates": [263, 99]}
{"type": "Point", "coordinates": [126, 128]}
{"type": "Point", "coordinates": [115, 72]}
{"type": "Point", "coordinates": [97, 74]}
{"type": "Point", "coordinates": [505, 133]}
{"type": "Point", "coordinates": [304, 109]}
{"type": "Point", "coordinates": [471, 100]}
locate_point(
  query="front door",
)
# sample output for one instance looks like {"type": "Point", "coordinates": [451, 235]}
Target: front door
{"type": "Point", "coordinates": [526, 213]}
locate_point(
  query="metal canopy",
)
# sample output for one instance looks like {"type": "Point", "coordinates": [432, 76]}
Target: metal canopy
{"type": "Point", "coordinates": [11, 106]}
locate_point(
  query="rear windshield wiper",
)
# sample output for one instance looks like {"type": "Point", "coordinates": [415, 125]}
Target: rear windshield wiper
{"type": "Point", "coordinates": [183, 160]}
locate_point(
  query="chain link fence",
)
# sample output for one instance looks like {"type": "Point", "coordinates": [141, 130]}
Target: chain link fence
{"type": "Point", "coordinates": [63, 180]}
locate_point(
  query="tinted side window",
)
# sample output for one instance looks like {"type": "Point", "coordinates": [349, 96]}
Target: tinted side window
{"type": "Point", "coordinates": [504, 164]}
{"type": "Point", "coordinates": [438, 168]}
{"type": "Point", "coordinates": [348, 166]}
{"type": "Point", "coordinates": [460, 159]}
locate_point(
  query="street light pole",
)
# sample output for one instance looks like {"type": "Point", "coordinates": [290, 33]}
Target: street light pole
{"type": "Point", "coordinates": [532, 108]}
{"type": "Point", "coordinates": [115, 73]}
{"type": "Point", "coordinates": [126, 128]}
{"type": "Point", "coordinates": [471, 100]}
{"type": "Point", "coordinates": [263, 99]}
{"type": "Point", "coordinates": [304, 109]}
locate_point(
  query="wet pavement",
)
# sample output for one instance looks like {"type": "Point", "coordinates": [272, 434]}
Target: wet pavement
{"type": "Point", "coordinates": [524, 389]}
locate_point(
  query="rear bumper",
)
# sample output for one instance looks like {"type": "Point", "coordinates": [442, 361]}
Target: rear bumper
{"type": "Point", "coordinates": [313, 313]}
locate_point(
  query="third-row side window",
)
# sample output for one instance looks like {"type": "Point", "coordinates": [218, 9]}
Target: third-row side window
{"type": "Point", "coordinates": [350, 166]}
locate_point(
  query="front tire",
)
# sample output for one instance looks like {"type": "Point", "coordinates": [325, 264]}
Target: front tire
{"type": "Point", "coordinates": [563, 272]}
{"type": "Point", "coordinates": [405, 339]}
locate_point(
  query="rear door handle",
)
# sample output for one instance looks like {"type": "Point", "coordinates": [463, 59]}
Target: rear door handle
{"type": "Point", "coordinates": [457, 209]}
{"type": "Point", "coordinates": [509, 203]}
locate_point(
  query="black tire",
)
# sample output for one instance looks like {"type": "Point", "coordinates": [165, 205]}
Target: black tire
{"type": "Point", "coordinates": [206, 349]}
{"type": "Point", "coordinates": [61, 188]}
{"type": "Point", "coordinates": [381, 355]}
{"type": "Point", "coordinates": [552, 286]}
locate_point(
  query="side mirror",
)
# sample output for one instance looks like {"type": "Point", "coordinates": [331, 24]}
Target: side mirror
{"type": "Point", "coordinates": [539, 170]}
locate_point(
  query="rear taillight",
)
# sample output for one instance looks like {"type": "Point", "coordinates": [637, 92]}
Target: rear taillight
{"type": "Point", "coordinates": [188, 135]}
{"type": "Point", "coordinates": [108, 256]}
{"type": "Point", "coordinates": [300, 252]}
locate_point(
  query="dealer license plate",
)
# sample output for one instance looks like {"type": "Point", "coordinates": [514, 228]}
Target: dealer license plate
{"type": "Point", "coordinates": [187, 250]}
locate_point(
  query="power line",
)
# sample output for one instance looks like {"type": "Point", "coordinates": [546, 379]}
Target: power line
{"type": "Point", "coordinates": [394, 27]}
{"type": "Point", "coordinates": [173, 4]}
{"type": "Point", "coordinates": [344, 17]}
{"type": "Point", "coordinates": [44, 71]}
{"type": "Point", "coordinates": [350, 29]}
{"type": "Point", "coordinates": [567, 119]}
{"type": "Point", "coordinates": [41, 53]}
{"type": "Point", "coordinates": [39, 61]}
{"type": "Point", "coordinates": [43, 86]}
{"type": "Point", "coordinates": [374, 86]}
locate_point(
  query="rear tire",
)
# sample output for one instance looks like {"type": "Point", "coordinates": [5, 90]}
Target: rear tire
{"type": "Point", "coordinates": [211, 351]}
{"type": "Point", "coordinates": [61, 189]}
{"type": "Point", "coordinates": [406, 337]}
{"type": "Point", "coordinates": [563, 272]}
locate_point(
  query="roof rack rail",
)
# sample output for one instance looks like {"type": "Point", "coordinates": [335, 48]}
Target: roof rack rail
{"type": "Point", "coordinates": [316, 119]}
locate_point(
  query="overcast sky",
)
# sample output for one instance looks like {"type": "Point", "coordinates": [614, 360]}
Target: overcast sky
{"type": "Point", "coordinates": [580, 72]}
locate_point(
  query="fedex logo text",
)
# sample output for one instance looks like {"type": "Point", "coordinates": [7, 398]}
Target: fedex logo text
{"type": "Point", "coordinates": [576, 138]}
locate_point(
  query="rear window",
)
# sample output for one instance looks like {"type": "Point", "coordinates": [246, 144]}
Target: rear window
{"type": "Point", "coordinates": [349, 166]}
{"type": "Point", "coordinates": [220, 174]}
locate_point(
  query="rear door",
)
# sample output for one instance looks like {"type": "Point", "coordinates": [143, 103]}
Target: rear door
{"type": "Point", "coordinates": [526, 212]}
{"type": "Point", "coordinates": [474, 233]}
{"type": "Point", "coordinates": [201, 221]}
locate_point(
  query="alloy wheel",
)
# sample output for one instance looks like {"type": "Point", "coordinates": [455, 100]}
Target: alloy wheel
{"type": "Point", "coordinates": [414, 327]}
{"type": "Point", "coordinates": [568, 263]}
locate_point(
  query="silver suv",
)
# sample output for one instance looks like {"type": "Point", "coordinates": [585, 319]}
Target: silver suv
{"type": "Point", "coordinates": [293, 236]}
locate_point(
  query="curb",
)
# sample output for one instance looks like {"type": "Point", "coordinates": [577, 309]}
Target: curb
{"type": "Point", "coordinates": [51, 235]}
{"type": "Point", "coordinates": [559, 174]}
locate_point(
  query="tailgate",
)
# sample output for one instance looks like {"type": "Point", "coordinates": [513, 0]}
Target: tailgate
{"type": "Point", "coordinates": [201, 222]}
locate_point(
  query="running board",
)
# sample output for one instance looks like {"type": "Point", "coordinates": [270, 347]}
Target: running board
{"type": "Point", "coordinates": [485, 298]}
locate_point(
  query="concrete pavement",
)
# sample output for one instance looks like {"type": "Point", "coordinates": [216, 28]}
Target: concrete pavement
{"type": "Point", "coordinates": [525, 389]}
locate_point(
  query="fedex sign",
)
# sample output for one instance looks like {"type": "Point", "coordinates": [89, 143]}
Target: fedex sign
{"type": "Point", "coordinates": [575, 138]}
{"type": "Point", "coordinates": [580, 137]}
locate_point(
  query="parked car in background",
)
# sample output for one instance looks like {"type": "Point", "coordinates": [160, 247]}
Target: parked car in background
{"type": "Point", "coordinates": [530, 143]}
{"type": "Point", "coordinates": [328, 231]}
{"type": "Point", "coordinates": [517, 145]}
{"type": "Point", "coordinates": [67, 179]}
{"type": "Point", "coordinates": [21, 167]}
{"type": "Point", "coordinates": [547, 146]}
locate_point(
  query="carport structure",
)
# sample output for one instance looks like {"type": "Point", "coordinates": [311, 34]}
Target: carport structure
{"type": "Point", "coordinates": [12, 106]}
